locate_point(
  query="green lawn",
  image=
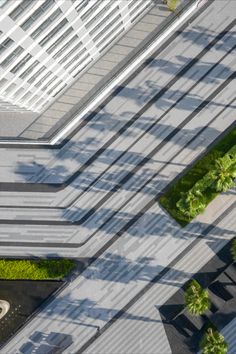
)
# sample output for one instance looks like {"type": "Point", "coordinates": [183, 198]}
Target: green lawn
{"type": "Point", "coordinates": [35, 269]}
{"type": "Point", "coordinates": [195, 173]}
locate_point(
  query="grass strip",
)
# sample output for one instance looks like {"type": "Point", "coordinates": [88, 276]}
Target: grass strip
{"type": "Point", "coordinates": [193, 174]}
{"type": "Point", "coordinates": [46, 269]}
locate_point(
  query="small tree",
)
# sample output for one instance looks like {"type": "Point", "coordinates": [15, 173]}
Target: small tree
{"type": "Point", "coordinates": [191, 204]}
{"type": "Point", "coordinates": [233, 249]}
{"type": "Point", "coordinates": [225, 172]}
{"type": "Point", "coordinates": [213, 343]}
{"type": "Point", "coordinates": [196, 299]}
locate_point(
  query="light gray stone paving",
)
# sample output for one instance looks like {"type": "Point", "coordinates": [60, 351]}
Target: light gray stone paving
{"type": "Point", "coordinates": [131, 236]}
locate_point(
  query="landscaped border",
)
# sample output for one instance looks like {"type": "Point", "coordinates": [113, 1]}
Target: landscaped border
{"type": "Point", "coordinates": [38, 269]}
{"type": "Point", "coordinates": [195, 174]}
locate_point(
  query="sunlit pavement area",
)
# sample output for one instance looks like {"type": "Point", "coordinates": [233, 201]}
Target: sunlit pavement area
{"type": "Point", "coordinates": [96, 196]}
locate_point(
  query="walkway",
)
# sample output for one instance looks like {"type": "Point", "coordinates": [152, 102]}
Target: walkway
{"type": "Point", "coordinates": [97, 195]}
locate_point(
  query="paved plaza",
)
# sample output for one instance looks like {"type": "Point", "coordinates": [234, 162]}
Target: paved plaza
{"type": "Point", "coordinates": [95, 197]}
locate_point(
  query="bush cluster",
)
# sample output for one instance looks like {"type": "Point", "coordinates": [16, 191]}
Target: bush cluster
{"type": "Point", "coordinates": [219, 179]}
{"type": "Point", "coordinates": [196, 299]}
{"type": "Point", "coordinates": [197, 302]}
{"type": "Point", "coordinates": [213, 342]}
{"type": "Point", "coordinates": [35, 269]}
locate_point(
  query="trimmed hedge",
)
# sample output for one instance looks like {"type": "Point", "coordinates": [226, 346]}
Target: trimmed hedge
{"type": "Point", "coordinates": [35, 269]}
{"type": "Point", "coordinates": [212, 174]}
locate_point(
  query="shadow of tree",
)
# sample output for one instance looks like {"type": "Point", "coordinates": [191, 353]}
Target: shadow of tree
{"type": "Point", "coordinates": [84, 177]}
{"type": "Point", "coordinates": [43, 343]}
{"type": "Point", "coordinates": [201, 36]}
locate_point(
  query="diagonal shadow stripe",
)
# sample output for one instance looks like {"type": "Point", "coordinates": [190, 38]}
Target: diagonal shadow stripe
{"type": "Point", "coordinates": [131, 221]}
{"type": "Point", "coordinates": [55, 187]}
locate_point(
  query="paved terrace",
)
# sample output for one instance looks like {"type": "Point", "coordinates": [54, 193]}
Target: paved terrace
{"type": "Point", "coordinates": [96, 196]}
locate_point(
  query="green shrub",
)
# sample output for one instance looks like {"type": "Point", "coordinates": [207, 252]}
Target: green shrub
{"type": "Point", "coordinates": [225, 172]}
{"type": "Point", "coordinates": [191, 204]}
{"type": "Point", "coordinates": [213, 343]}
{"type": "Point", "coordinates": [196, 299]}
{"type": "Point", "coordinates": [35, 269]}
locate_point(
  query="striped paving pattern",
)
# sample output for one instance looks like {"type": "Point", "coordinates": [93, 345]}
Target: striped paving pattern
{"type": "Point", "coordinates": [97, 195]}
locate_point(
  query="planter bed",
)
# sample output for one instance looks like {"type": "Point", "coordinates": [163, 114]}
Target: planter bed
{"type": "Point", "coordinates": [193, 175]}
